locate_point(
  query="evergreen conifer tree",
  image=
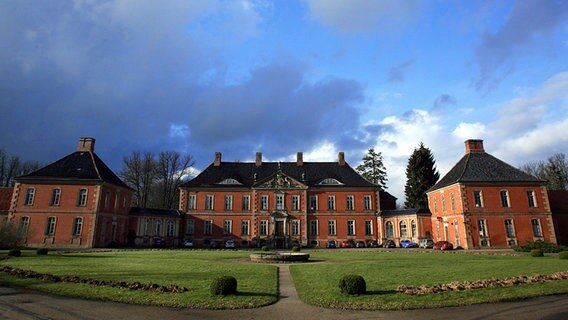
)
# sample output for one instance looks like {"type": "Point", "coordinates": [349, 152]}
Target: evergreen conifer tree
{"type": "Point", "coordinates": [373, 169]}
{"type": "Point", "coordinates": [421, 175]}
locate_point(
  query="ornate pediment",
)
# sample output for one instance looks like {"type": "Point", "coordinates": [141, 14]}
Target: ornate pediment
{"type": "Point", "coordinates": [280, 181]}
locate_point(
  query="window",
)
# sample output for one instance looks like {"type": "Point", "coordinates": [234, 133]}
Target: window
{"type": "Point", "coordinates": [228, 202]}
{"type": "Point", "coordinates": [403, 231]}
{"type": "Point", "coordinates": [245, 227]}
{"type": "Point", "coordinates": [55, 196]}
{"type": "Point", "coordinates": [190, 226]}
{"type": "Point", "coordinates": [389, 229]}
{"type": "Point", "coordinates": [295, 203]}
{"type": "Point", "coordinates": [509, 228]}
{"type": "Point", "coordinates": [147, 224]}
{"type": "Point", "coordinates": [367, 203]}
{"type": "Point", "coordinates": [77, 226]}
{"type": "Point", "coordinates": [82, 199]}
{"type": "Point", "coordinates": [279, 202]}
{"type": "Point", "coordinates": [368, 227]}
{"type": "Point", "coordinates": [478, 198]}
{"type": "Point", "coordinates": [209, 201]}
{"type": "Point", "coordinates": [443, 203]}
{"type": "Point", "coordinates": [264, 203]}
{"type": "Point", "coordinates": [295, 227]}
{"type": "Point", "coordinates": [331, 203]}
{"type": "Point", "coordinates": [313, 203]}
{"type": "Point", "coordinates": [227, 227]}
{"type": "Point", "coordinates": [531, 198]}
{"type": "Point", "coordinates": [331, 228]}
{"type": "Point", "coordinates": [107, 199]}
{"type": "Point", "coordinates": [504, 198]}
{"type": "Point", "coordinates": [170, 228]}
{"type": "Point", "coordinates": [350, 227]}
{"type": "Point", "coordinates": [30, 194]}
{"type": "Point", "coordinates": [246, 203]}
{"type": "Point", "coordinates": [313, 228]}
{"type": "Point", "coordinates": [116, 198]}
{"type": "Point", "coordinates": [192, 202]}
{"type": "Point", "coordinates": [537, 231]}
{"type": "Point", "coordinates": [481, 225]}
{"type": "Point", "coordinates": [263, 227]}
{"type": "Point", "coordinates": [50, 227]}
{"type": "Point", "coordinates": [208, 227]}
{"type": "Point", "coordinates": [349, 201]}
{"type": "Point", "coordinates": [413, 228]}
{"type": "Point", "coordinates": [158, 227]}
{"type": "Point", "coordinates": [24, 224]}
{"type": "Point", "coordinates": [452, 202]}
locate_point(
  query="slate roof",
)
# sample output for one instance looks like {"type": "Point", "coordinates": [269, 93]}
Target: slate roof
{"type": "Point", "coordinates": [402, 212]}
{"type": "Point", "coordinates": [310, 174]}
{"type": "Point", "coordinates": [137, 211]}
{"type": "Point", "coordinates": [481, 167]}
{"type": "Point", "coordinates": [78, 166]}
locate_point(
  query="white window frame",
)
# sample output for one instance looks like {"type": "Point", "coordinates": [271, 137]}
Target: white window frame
{"type": "Point", "coordinates": [509, 228]}
{"type": "Point", "coordinates": [295, 203]}
{"type": "Point", "coordinates": [279, 201]}
{"type": "Point", "coordinates": [351, 228]}
{"type": "Point", "coordinates": [331, 203]}
{"type": "Point", "coordinates": [536, 228]}
{"type": "Point", "coordinates": [367, 203]}
{"type": "Point", "coordinates": [245, 227]}
{"type": "Point", "coordinates": [504, 197]}
{"type": "Point", "coordinates": [207, 227]}
{"type": "Point", "coordinates": [264, 202]}
{"type": "Point", "coordinates": [478, 198]}
{"type": "Point", "coordinates": [263, 227]}
{"type": "Point", "coordinates": [403, 229]}
{"type": "Point", "coordinates": [190, 226]}
{"type": "Point", "coordinates": [50, 226]}
{"type": "Point", "coordinates": [228, 202]}
{"type": "Point", "coordinates": [314, 230]}
{"type": "Point", "coordinates": [368, 227]}
{"type": "Point", "coordinates": [170, 228]}
{"type": "Point", "coordinates": [314, 203]}
{"type": "Point", "coordinates": [55, 197]}
{"type": "Point", "coordinates": [350, 203]}
{"type": "Point", "coordinates": [332, 227]}
{"type": "Point", "coordinates": [77, 226]}
{"type": "Point", "coordinates": [295, 226]}
{"type": "Point", "coordinates": [227, 227]}
{"type": "Point", "coordinates": [210, 202]}
{"type": "Point", "coordinates": [531, 198]}
{"type": "Point", "coordinates": [24, 224]}
{"type": "Point", "coordinates": [192, 202]}
{"type": "Point", "coordinates": [389, 230]}
{"type": "Point", "coordinates": [30, 196]}
{"type": "Point", "coordinates": [83, 196]}
{"type": "Point", "coordinates": [246, 203]}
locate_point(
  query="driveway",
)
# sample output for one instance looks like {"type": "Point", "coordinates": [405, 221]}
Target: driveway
{"type": "Point", "coordinates": [23, 304]}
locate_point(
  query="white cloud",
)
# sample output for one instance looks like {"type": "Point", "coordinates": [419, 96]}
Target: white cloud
{"type": "Point", "coordinates": [323, 151]}
{"type": "Point", "coordinates": [467, 131]}
{"type": "Point", "coordinates": [363, 15]}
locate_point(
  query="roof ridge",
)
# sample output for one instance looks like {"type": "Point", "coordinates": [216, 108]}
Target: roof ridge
{"type": "Point", "coordinates": [464, 167]}
{"type": "Point", "coordinates": [95, 164]}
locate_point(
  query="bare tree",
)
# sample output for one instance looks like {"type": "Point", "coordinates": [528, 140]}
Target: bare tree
{"type": "Point", "coordinates": [140, 174]}
{"type": "Point", "coordinates": [554, 170]}
{"type": "Point", "coordinates": [11, 166]}
{"type": "Point", "coordinates": [171, 168]}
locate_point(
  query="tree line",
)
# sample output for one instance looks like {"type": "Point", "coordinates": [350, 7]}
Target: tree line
{"type": "Point", "coordinates": [554, 170]}
{"type": "Point", "coordinates": [12, 166]}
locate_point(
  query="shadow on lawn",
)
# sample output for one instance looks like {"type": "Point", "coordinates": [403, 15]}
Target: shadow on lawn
{"type": "Point", "coordinates": [380, 292]}
{"type": "Point", "coordinates": [256, 294]}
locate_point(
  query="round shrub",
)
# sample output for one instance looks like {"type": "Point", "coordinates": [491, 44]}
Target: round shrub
{"type": "Point", "coordinates": [352, 284]}
{"type": "Point", "coordinates": [42, 251]}
{"type": "Point", "coordinates": [296, 249]}
{"type": "Point", "coordinates": [563, 255]}
{"type": "Point", "coordinates": [537, 253]}
{"type": "Point", "coordinates": [14, 253]}
{"type": "Point", "coordinates": [265, 248]}
{"type": "Point", "coordinates": [224, 285]}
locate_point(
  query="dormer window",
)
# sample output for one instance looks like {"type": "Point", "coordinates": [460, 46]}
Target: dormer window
{"type": "Point", "coordinates": [330, 181]}
{"type": "Point", "coordinates": [230, 181]}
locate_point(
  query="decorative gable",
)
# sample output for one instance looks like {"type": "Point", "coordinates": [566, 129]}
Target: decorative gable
{"type": "Point", "coordinates": [280, 181]}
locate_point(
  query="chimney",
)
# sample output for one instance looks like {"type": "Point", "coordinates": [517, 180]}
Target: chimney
{"type": "Point", "coordinates": [217, 161]}
{"type": "Point", "coordinates": [299, 159]}
{"type": "Point", "coordinates": [341, 157]}
{"type": "Point", "coordinates": [86, 145]}
{"type": "Point", "coordinates": [258, 159]}
{"type": "Point", "coordinates": [474, 146]}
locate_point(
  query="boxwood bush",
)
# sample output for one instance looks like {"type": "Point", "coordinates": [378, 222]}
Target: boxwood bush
{"type": "Point", "coordinates": [352, 284]}
{"type": "Point", "coordinates": [42, 251]}
{"type": "Point", "coordinates": [296, 249]}
{"type": "Point", "coordinates": [224, 285]}
{"type": "Point", "coordinates": [547, 247]}
{"type": "Point", "coordinates": [265, 248]}
{"type": "Point", "coordinates": [537, 253]}
{"type": "Point", "coordinates": [14, 253]}
{"type": "Point", "coordinates": [563, 255]}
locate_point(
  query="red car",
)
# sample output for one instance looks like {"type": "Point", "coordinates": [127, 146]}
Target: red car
{"type": "Point", "coordinates": [443, 245]}
{"type": "Point", "coordinates": [346, 244]}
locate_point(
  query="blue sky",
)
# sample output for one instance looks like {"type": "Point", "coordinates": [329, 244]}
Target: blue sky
{"type": "Point", "coordinates": [285, 76]}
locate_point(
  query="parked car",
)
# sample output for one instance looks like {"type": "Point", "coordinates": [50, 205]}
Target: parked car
{"type": "Point", "coordinates": [426, 243]}
{"type": "Point", "coordinates": [443, 245]}
{"type": "Point", "coordinates": [188, 243]}
{"type": "Point", "coordinates": [346, 244]}
{"type": "Point", "coordinates": [389, 244]}
{"type": "Point", "coordinates": [372, 244]}
{"type": "Point", "coordinates": [229, 244]}
{"type": "Point", "coordinates": [331, 244]}
{"type": "Point", "coordinates": [360, 244]}
{"type": "Point", "coordinates": [213, 245]}
{"type": "Point", "coordinates": [408, 244]}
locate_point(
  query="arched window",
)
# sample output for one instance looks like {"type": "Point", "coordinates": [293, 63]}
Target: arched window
{"type": "Point", "coordinates": [413, 228]}
{"type": "Point", "coordinates": [147, 227]}
{"type": "Point", "coordinates": [403, 233]}
{"type": "Point", "coordinates": [170, 228]}
{"type": "Point", "coordinates": [389, 229]}
{"type": "Point", "coordinates": [158, 227]}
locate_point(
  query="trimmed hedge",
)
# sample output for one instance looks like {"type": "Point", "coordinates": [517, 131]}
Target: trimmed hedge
{"type": "Point", "coordinates": [563, 255]}
{"type": "Point", "coordinates": [537, 253]}
{"type": "Point", "coordinates": [265, 248]}
{"type": "Point", "coordinates": [296, 249]}
{"type": "Point", "coordinates": [352, 284]}
{"type": "Point", "coordinates": [42, 251]}
{"type": "Point", "coordinates": [224, 285]}
{"type": "Point", "coordinates": [14, 253]}
{"type": "Point", "coordinates": [546, 247]}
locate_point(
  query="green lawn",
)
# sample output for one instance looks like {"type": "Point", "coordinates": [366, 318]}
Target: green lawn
{"type": "Point", "coordinates": [316, 282]}
{"type": "Point", "coordinates": [257, 284]}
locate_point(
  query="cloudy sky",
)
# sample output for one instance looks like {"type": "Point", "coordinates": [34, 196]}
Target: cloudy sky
{"type": "Point", "coordinates": [318, 76]}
